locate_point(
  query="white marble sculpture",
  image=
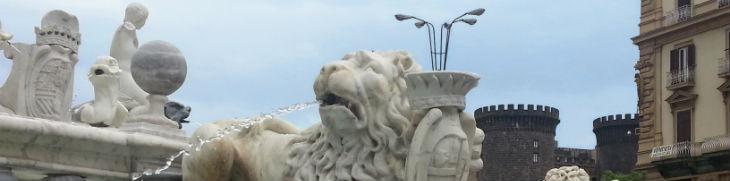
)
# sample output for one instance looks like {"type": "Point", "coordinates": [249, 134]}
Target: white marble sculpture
{"type": "Point", "coordinates": [105, 110]}
{"type": "Point", "coordinates": [5, 45]}
{"type": "Point", "coordinates": [4, 36]}
{"type": "Point", "coordinates": [40, 82]}
{"type": "Point", "coordinates": [124, 45]}
{"type": "Point", "coordinates": [38, 142]}
{"type": "Point", "coordinates": [442, 147]}
{"type": "Point", "coordinates": [159, 68]}
{"type": "Point", "coordinates": [369, 132]}
{"type": "Point", "coordinates": [567, 173]}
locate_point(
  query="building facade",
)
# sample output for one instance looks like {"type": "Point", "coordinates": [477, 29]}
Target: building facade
{"type": "Point", "coordinates": [519, 142]}
{"type": "Point", "coordinates": [683, 89]}
{"type": "Point", "coordinates": [616, 143]}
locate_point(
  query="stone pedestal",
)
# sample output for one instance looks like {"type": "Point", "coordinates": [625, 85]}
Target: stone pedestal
{"type": "Point", "coordinates": [146, 126]}
{"type": "Point", "coordinates": [6, 174]}
{"type": "Point", "coordinates": [150, 119]}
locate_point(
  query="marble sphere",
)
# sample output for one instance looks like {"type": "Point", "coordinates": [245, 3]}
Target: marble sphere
{"type": "Point", "coordinates": [159, 68]}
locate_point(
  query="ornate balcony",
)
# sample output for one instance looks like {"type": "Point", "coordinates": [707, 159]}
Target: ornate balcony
{"type": "Point", "coordinates": [681, 78]}
{"type": "Point", "coordinates": [676, 151]}
{"type": "Point", "coordinates": [678, 15]}
{"type": "Point", "coordinates": [724, 67]}
{"type": "Point", "coordinates": [723, 3]}
{"type": "Point", "coordinates": [690, 158]}
{"type": "Point", "coordinates": [716, 144]}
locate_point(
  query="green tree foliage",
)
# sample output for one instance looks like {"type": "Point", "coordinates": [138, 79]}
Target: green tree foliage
{"type": "Point", "coordinates": [633, 176]}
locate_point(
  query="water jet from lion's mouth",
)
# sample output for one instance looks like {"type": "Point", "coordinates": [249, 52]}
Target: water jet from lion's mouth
{"type": "Point", "coordinates": [243, 124]}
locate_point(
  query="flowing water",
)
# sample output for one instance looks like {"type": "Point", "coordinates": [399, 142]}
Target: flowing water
{"type": "Point", "coordinates": [243, 123]}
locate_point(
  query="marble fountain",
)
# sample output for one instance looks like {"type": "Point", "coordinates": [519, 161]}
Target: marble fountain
{"type": "Point", "coordinates": [128, 128]}
{"type": "Point", "coordinates": [382, 118]}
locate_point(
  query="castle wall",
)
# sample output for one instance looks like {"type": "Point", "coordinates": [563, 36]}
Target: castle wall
{"type": "Point", "coordinates": [583, 158]}
{"type": "Point", "coordinates": [514, 135]}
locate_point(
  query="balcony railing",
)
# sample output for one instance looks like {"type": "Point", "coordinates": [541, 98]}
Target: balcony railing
{"type": "Point", "coordinates": [691, 149]}
{"type": "Point", "coordinates": [679, 150]}
{"type": "Point", "coordinates": [681, 78]}
{"type": "Point", "coordinates": [723, 3]}
{"type": "Point", "coordinates": [680, 14]}
{"type": "Point", "coordinates": [716, 144]}
{"type": "Point", "coordinates": [724, 67]}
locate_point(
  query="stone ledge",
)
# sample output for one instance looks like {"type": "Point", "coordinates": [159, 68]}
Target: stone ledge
{"type": "Point", "coordinates": [64, 147]}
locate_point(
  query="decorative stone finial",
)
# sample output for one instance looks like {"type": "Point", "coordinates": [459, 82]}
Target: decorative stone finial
{"type": "Point", "coordinates": [159, 68]}
{"type": "Point", "coordinates": [59, 28]}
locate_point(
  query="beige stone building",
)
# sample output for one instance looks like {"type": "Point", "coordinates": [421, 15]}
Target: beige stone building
{"type": "Point", "coordinates": [684, 89]}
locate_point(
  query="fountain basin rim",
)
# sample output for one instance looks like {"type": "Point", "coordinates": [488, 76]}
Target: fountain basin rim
{"type": "Point", "coordinates": [55, 139]}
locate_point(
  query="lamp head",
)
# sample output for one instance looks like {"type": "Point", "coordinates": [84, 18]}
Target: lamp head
{"type": "Point", "coordinates": [476, 12]}
{"type": "Point", "coordinates": [401, 17]}
{"type": "Point", "coordinates": [420, 24]}
{"type": "Point", "coordinates": [470, 21]}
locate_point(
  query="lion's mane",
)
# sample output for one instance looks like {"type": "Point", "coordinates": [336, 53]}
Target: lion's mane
{"type": "Point", "coordinates": [380, 154]}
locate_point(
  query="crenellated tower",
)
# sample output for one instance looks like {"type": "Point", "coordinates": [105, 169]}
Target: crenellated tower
{"type": "Point", "coordinates": [519, 141]}
{"type": "Point", "coordinates": [616, 142]}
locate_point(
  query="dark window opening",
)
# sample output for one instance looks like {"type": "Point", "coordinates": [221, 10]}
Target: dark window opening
{"type": "Point", "coordinates": [681, 3]}
{"type": "Point", "coordinates": [682, 59]}
{"type": "Point", "coordinates": [684, 126]}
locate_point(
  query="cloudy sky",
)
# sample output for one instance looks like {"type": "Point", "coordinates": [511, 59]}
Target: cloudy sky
{"type": "Point", "coordinates": [250, 56]}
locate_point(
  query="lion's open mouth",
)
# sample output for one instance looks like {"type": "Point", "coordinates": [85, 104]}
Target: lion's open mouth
{"type": "Point", "coordinates": [98, 72]}
{"type": "Point", "coordinates": [330, 99]}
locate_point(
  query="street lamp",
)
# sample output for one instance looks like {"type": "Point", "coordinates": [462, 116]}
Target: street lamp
{"type": "Point", "coordinates": [439, 57]}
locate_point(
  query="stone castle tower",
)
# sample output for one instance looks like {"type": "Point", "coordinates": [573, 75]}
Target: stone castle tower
{"type": "Point", "coordinates": [519, 141]}
{"type": "Point", "coordinates": [616, 142]}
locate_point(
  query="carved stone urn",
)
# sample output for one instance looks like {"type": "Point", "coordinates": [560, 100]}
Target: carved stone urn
{"type": "Point", "coordinates": [440, 149]}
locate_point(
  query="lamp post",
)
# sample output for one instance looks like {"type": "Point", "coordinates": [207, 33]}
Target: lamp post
{"type": "Point", "coordinates": [439, 56]}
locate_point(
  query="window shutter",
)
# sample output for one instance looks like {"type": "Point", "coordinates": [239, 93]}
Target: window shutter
{"type": "Point", "coordinates": [691, 56]}
{"type": "Point", "coordinates": [674, 61]}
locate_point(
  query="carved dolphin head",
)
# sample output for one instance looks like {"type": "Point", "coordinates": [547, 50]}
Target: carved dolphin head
{"type": "Point", "coordinates": [106, 69]}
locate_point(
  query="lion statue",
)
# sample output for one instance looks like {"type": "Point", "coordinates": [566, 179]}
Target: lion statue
{"type": "Point", "coordinates": [366, 128]}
